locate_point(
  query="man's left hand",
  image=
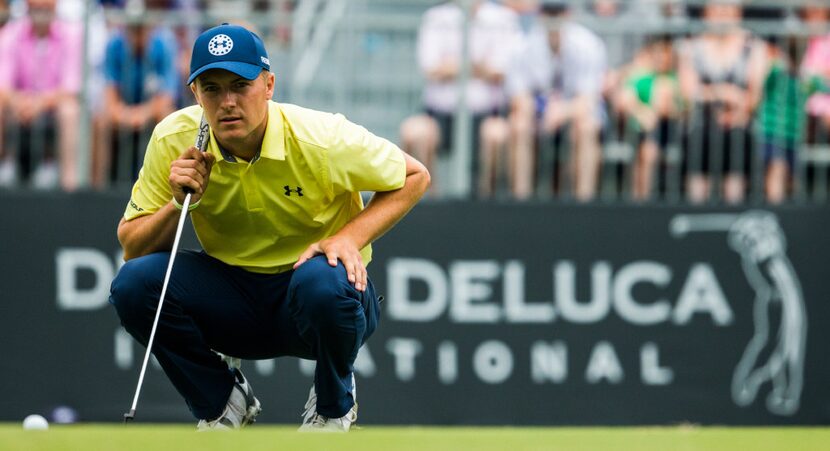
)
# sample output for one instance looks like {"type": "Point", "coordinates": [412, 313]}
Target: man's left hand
{"type": "Point", "coordinates": [343, 249]}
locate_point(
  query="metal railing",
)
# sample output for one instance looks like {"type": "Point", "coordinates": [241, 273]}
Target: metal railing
{"type": "Point", "coordinates": [358, 57]}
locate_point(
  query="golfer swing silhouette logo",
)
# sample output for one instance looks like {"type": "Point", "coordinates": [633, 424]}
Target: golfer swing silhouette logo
{"type": "Point", "coordinates": [775, 353]}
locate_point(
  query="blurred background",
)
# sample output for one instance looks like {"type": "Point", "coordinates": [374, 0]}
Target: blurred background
{"type": "Point", "coordinates": [630, 101]}
{"type": "Point", "coordinates": [626, 224]}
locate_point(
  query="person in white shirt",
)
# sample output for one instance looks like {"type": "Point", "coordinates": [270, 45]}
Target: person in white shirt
{"type": "Point", "coordinates": [494, 30]}
{"type": "Point", "coordinates": [556, 79]}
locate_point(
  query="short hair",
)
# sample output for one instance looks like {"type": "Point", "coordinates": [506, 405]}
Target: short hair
{"type": "Point", "coordinates": [553, 7]}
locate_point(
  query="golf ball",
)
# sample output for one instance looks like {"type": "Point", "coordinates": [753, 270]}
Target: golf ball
{"type": "Point", "coordinates": [35, 422]}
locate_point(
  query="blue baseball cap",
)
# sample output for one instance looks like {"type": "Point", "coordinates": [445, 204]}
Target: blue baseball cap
{"type": "Point", "coordinates": [229, 47]}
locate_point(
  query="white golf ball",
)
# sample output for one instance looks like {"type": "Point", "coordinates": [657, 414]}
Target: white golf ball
{"type": "Point", "coordinates": [35, 423]}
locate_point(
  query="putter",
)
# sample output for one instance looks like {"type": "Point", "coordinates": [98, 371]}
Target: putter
{"type": "Point", "coordinates": [201, 144]}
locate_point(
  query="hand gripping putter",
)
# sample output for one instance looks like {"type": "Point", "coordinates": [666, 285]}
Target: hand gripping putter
{"type": "Point", "coordinates": [201, 143]}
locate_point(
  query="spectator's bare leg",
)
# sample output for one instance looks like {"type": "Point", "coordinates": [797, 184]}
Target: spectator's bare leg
{"type": "Point", "coordinates": [664, 95]}
{"type": "Point", "coordinates": [2, 128]}
{"type": "Point", "coordinates": [663, 106]}
{"type": "Point", "coordinates": [644, 169]}
{"type": "Point", "coordinates": [7, 165]}
{"type": "Point", "coordinates": [697, 188]}
{"type": "Point", "coordinates": [776, 181]}
{"type": "Point", "coordinates": [586, 151]}
{"type": "Point", "coordinates": [68, 112]}
{"type": "Point", "coordinates": [420, 137]}
{"type": "Point", "coordinates": [101, 151]}
{"type": "Point", "coordinates": [494, 135]}
{"type": "Point", "coordinates": [522, 137]}
{"type": "Point", "coordinates": [734, 186]}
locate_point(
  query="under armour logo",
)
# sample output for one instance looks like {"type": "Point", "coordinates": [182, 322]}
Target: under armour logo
{"type": "Point", "coordinates": [288, 191]}
{"type": "Point", "coordinates": [219, 45]}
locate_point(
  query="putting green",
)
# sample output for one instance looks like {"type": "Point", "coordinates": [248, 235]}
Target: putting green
{"type": "Point", "coordinates": [149, 437]}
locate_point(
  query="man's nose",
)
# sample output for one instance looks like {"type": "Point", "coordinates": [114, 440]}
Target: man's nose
{"type": "Point", "coordinates": [229, 99]}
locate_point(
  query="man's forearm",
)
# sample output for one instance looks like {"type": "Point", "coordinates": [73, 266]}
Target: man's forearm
{"type": "Point", "coordinates": [148, 234]}
{"type": "Point", "coordinates": [385, 210]}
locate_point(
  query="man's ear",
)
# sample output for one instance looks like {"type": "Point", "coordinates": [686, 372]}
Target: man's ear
{"type": "Point", "coordinates": [195, 91]}
{"type": "Point", "coordinates": [270, 81]}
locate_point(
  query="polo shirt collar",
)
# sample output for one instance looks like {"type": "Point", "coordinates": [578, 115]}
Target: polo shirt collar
{"type": "Point", "coordinates": [273, 144]}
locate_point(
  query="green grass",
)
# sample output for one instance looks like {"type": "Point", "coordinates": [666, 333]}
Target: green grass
{"type": "Point", "coordinates": [144, 437]}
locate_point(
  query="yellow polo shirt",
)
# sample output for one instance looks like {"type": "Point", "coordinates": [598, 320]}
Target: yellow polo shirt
{"type": "Point", "coordinates": [303, 186]}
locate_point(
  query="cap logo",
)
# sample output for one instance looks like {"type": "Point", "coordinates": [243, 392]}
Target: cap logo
{"type": "Point", "coordinates": [219, 45]}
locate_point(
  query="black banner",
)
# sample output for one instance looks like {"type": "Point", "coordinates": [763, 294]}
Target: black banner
{"type": "Point", "coordinates": [494, 314]}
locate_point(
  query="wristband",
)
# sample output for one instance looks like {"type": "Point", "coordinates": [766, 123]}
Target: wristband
{"type": "Point", "coordinates": [179, 206]}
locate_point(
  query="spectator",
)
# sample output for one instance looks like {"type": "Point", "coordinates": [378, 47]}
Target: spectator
{"type": "Point", "coordinates": [97, 35]}
{"type": "Point", "coordinates": [650, 97]}
{"type": "Point", "coordinates": [722, 74]}
{"type": "Point", "coordinates": [816, 62]}
{"type": "Point", "coordinates": [185, 28]}
{"type": "Point", "coordinates": [142, 82]}
{"type": "Point", "coordinates": [493, 33]}
{"type": "Point", "coordinates": [40, 78]}
{"type": "Point", "coordinates": [622, 26]}
{"type": "Point", "coordinates": [782, 117]}
{"type": "Point", "coordinates": [557, 80]}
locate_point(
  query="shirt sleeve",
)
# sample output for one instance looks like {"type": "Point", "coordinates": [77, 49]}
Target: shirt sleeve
{"type": "Point", "coordinates": [7, 57]}
{"type": "Point", "coordinates": [111, 61]}
{"type": "Point", "coordinates": [73, 56]}
{"type": "Point", "coordinates": [516, 78]}
{"type": "Point", "coordinates": [166, 49]}
{"type": "Point", "coordinates": [360, 161]}
{"type": "Point", "coordinates": [503, 38]}
{"type": "Point", "coordinates": [430, 42]}
{"type": "Point", "coordinates": [151, 191]}
{"type": "Point", "coordinates": [585, 62]}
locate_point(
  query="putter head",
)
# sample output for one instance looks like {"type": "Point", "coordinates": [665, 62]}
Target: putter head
{"type": "Point", "coordinates": [129, 416]}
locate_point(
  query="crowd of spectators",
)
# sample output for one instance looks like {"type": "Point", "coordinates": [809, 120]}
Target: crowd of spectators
{"type": "Point", "coordinates": [684, 85]}
{"type": "Point", "coordinates": [138, 54]}
{"type": "Point", "coordinates": [552, 87]}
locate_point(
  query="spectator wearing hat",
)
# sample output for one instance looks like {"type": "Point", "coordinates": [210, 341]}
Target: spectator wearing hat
{"type": "Point", "coordinates": [142, 82]}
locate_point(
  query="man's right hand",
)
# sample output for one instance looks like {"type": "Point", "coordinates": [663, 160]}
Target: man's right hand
{"type": "Point", "coordinates": [191, 170]}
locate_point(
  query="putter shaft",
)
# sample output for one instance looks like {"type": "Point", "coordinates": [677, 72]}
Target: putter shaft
{"type": "Point", "coordinates": [182, 219]}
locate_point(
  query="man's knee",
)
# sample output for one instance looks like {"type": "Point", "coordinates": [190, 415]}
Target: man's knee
{"type": "Point", "coordinates": [129, 291]}
{"type": "Point", "coordinates": [321, 292]}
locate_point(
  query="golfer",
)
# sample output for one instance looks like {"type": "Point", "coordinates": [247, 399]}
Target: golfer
{"type": "Point", "coordinates": [286, 238]}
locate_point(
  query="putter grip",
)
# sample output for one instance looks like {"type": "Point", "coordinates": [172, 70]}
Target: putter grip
{"type": "Point", "coordinates": [201, 142]}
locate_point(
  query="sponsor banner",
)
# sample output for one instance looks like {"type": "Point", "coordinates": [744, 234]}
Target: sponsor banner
{"type": "Point", "coordinates": [493, 314]}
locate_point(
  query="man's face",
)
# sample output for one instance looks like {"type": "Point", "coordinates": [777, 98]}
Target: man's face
{"type": "Point", "coordinates": [814, 14]}
{"type": "Point", "coordinates": [663, 56]}
{"type": "Point", "coordinates": [137, 36]}
{"type": "Point", "coordinates": [720, 13]}
{"type": "Point", "coordinates": [235, 107]}
{"type": "Point", "coordinates": [41, 11]}
{"type": "Point", "coordinates": [552, 20]}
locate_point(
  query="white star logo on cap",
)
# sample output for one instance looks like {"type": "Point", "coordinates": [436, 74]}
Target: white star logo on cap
{"type": "Point", "coordinates": [219, 45]}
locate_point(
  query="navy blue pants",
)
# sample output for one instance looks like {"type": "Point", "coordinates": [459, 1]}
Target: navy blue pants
{"type": "Point", "coordinates": [312, 313]}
